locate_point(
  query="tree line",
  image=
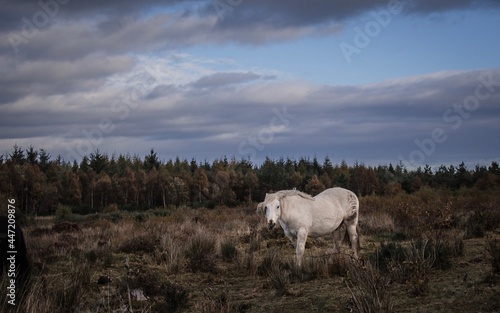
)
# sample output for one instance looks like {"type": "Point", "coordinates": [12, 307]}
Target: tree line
{"type": "Point", "coordinates": [40, 183]}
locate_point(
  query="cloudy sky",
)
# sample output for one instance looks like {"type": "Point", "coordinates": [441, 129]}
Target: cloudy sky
{"type": "Point", "coordinates": [373, 81]}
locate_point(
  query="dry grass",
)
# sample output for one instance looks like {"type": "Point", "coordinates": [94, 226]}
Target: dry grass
{"type": "Point", "coordinates": [225, 260]}
{"type": "Point", "coordinates": [369, 289]}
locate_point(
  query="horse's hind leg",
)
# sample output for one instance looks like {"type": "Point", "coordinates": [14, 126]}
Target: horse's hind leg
{"type": "Point", "coordinates": [336, 240]}
{"type": "Point", "coordinates": [353, 237]}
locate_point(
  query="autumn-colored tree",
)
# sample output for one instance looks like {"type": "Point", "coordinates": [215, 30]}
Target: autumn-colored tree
{"type": "Point", "coordinates": [39, 184]}
{"type": "Point", "coordinates": [103, 188]}
{"type": "Point", "coordinates": [163, 181]}
{"type": "Point", "coordinates": [200, 183]}
{"type": "Point", "coordinates": [223, 181]}
{"type": "Point", "coordinates": [251, 183]}
{"type": "Point", "coordinates": [141, 191]}
{"type": "Point", "coordinates": [177, 191]}
{"type": "Point", "coordinates": [34, 181]}
{"type": "Point", "coordinates": [314, 186]}
{"type": "Point", "coordinates": [151, 184]}
{"type": "Point", "coordinates": [363, 180]}
{"type": "Point", "coordinates": [325, 180]}
{"type": "Point", "coordinates": [295, 180]}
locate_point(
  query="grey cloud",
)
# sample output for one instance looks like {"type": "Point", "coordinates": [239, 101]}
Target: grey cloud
{"type": "Point", "coordinates": [51, 77]}
{"type": "Point", "coordinates": [162, 91]}
{"type": "Point", "coordinates": [369, 120]}
{"type": "Point", "coordinates": [224, 79]}
{"type": "Point", "coordinates": [85, 27]}
{"type": "Point", "coordinates": [317, 12]}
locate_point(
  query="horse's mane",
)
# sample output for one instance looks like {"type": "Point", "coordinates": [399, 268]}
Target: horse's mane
{"type": "Point", "coordinates": [281, 194]}
{"type": "Point", "coordinates": [294, 192]}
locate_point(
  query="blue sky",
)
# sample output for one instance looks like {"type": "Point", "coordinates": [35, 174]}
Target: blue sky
{"type": "Point", "coordinates": [262, 78]}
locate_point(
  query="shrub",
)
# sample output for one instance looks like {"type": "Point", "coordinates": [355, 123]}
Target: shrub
{"type": "Point", "coordinates": [113, 207]}
{"type": "Point", "coordinates": [475, 226]}
{"type": "Point", "coordinates": [369, 289]}
{"type": "Point", "coordinates": [140, 217]}
{"type": "Point", "coordinates": [228, 250]}
{"type": "Point", "coordinates": [420, 258]}
{"type": "Point", "coordinates": [171, 254]}
{"type": "Point", "coordinates": [279, 280]}
{"type": "Point", "coordinates": [63, 212]}
{"type": "Point", "coordinates": [387, 255]}
{"type": "Point", "coordinates": [493, 246]}
{"type": "Point", "coordinates": [441, 251]}
{"type": "Point", "coordinates": [271, 259]}
{"type": "Point", "coordinates": [377, 223]}
{"type": "Point", "coordinates": [144, 243]}
{"type": "Point", "coordinates": [321, 267]}
{"type": "Point", "coordinates": [484, 219]}
{"type": "Point", "coordinates": [176, 297]}
{"type": "Point", "coordinates": [201, 253]}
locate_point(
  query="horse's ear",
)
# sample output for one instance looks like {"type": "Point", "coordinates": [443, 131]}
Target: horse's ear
{"type": "Point", "coordinates": [260, 208]}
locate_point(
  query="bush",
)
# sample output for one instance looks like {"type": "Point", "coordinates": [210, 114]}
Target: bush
{"type": "Point", "coordinates": [63, 212]}
{"type": "Point", "coordinates": [493, 246]}
{"type": "Point", "coordinates": [387, 255]}
{"type": "Point", "coordinates": [279, 280]}
{"type": "Point", "coordinates": [369, 289]}
{"type": "Point", "coordinates": [271, 259]}
{"type": "Point", "coordinates": [201, 253]}
{"type": "Point", "coordinates": [228, 250]}
{"type": "Point", "coordinates": [176, 297]}
{"type": "Point", "coordinates": [377, 223]}
{"type": "Point", "coordinates": [145, 243]}
{"type": "Point", "coordinates": [420, 258]}
{"type": "Point", "coordinates": [476, 225]}
{"type": "Point", "coordinates": [140, 217]}
{"type": "Point", "coordinates": [317, 267]}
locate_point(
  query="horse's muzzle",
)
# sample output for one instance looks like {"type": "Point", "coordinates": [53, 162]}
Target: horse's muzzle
{"type": "Point", "coordinates": [271, 224]}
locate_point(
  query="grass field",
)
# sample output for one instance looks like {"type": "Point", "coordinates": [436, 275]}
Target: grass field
{"type": "Point", "coordinates": [425, 252]}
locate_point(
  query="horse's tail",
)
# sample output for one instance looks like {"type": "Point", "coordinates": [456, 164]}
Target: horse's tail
{"type": "Point", "coordinates": [353, 203]}
{"type": "Point", "coordinates": [345, 235]}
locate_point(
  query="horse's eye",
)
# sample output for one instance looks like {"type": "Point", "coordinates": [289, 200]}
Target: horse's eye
{"type": "Point", "coordinates": [265, 209]}
{"type": "Point", "coordinates": [278, 207]}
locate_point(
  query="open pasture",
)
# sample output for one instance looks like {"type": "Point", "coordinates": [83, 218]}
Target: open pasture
{"type": "Point", "coordinates": [424, 252]}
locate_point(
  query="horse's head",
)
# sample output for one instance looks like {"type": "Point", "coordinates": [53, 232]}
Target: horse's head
{"type": "Point", "coordinates": [273, 212]}
{"type": "Point", "coordinates": [271, 208]}
{"type": "Point", "coordinates": [272, 205]}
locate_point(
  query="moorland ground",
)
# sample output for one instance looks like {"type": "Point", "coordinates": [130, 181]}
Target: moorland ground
{"type": "Point", "coordinates": [430, 251]}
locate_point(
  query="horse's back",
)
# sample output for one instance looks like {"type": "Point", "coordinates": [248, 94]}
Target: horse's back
{"type": "Point", "coordinates": [344, 198]}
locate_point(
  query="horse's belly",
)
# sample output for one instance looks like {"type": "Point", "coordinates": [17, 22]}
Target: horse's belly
{"type": "Point", "coordinates": [323, 227]}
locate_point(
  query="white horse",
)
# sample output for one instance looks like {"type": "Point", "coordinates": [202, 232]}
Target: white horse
{"type": "Point", "coordinates": [301, 215]}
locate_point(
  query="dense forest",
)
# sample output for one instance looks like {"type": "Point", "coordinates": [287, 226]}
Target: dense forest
{"type": "Point", "coordinates": [101, 183]}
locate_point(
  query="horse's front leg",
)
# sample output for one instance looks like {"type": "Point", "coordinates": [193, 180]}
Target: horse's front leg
{"type": "Point", "coordinates": [292, 238]}
{"type": "Point", "coordinates": [301, 245]}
